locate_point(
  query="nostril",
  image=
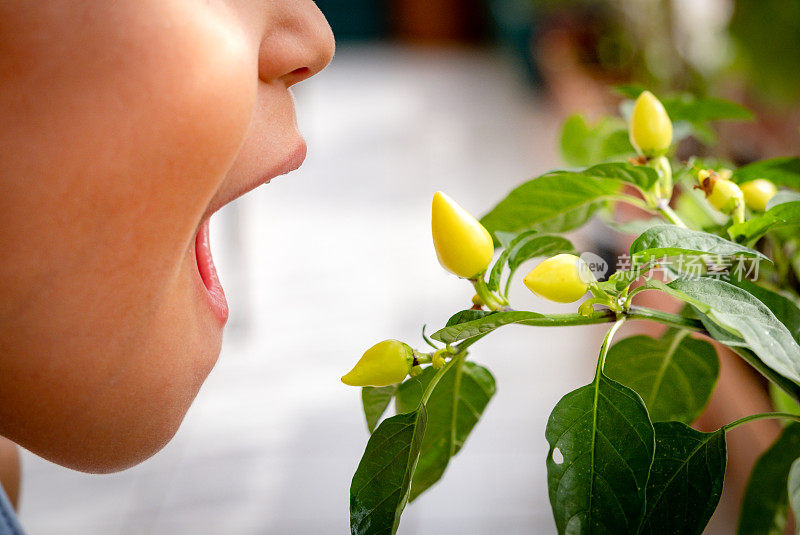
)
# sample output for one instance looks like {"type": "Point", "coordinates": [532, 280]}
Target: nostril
{"type": "Point", "coordinates": [302, 72]}
{"type": "Point", "coordinates": [297, 75]}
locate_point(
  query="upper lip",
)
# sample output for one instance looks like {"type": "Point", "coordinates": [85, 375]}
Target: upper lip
{"type": "Point", "coordinates": [293, 161]}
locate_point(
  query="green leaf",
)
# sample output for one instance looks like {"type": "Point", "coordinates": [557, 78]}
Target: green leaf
{"type": "Point", "coordinates": [579, 143]}
{"type": "Point", "coordinates": [465, 316]}
{"type": "Point", "coordinates": [601, 447]}
{"type": "Point", "coordinates": [486, 322]}
{"type": "Point", "coordinates": [784, 308]}
{"type": "Point", "coordinates": [779, 216]}
{"type": "Point", "coordinates": [764, 33]}
{"type": "Point", "coordinates": [527, 245]}
{"type": "Point", "coordinates": [783, 402]}
{"type": "Point", "coordinates": [794, 488]}
{"type": "Point", "coordinates": [687, 107]}
{"type": "Point", "coordinates": [555, 202]}
{"type": "Point", "coordinates": [505, 238]}
{"type": "Point", "coordinates": [563, 200]}
{"type": "Point", "coordinates": [741, 315]}
{"type": "Point", "coordinates": [455, 406]}
{"type": "Point", "coordinates": [375, 400]}
{"type": "Point", "coordinates": [766, 499]}
{"type": "Point", "coordinates": [781, 171]}
{"type": "Point", "coordinates": [685, 481]}
{"type": "Point", "coordinates": [616, 145]}
{"type": "Point", "coordinates": [641, 176]}
{"type": "Point", "coordinates": [622, 278]}
{"type": "Point", "coordinates": [380, 487]}
{"type": "Point", "coordinates": [672, 241]}
{"type": "Point", "coordinates": [508, 246]}
{"type": "Point", "coordinates": [582, 144]}
{"type": "Point", "coordinates": [675, 375]}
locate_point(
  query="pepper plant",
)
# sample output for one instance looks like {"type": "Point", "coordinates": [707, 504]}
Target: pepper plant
{"type": "Point", "coordinates": [623, 457]}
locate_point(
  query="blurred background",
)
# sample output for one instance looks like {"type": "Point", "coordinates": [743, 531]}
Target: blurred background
{"type": "Point", "coordinates": [465, 96]}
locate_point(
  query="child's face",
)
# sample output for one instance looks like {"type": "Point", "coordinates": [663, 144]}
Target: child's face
{"type": "Point", "coordinates": [123, 126]}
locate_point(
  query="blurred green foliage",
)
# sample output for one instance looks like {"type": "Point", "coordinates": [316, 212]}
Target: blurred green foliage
{"type": "Point", "coordinates": [767, 35]}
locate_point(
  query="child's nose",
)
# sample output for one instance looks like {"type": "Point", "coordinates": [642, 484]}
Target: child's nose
{"type": "Point", "coordinates": [297, 45]}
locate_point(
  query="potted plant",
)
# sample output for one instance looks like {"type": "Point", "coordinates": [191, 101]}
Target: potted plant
{"type": "Point", "coordinates": [623, 458]}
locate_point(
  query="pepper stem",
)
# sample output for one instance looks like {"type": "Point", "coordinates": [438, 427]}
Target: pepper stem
{"type": "Point", "coordinates": [490, 299]}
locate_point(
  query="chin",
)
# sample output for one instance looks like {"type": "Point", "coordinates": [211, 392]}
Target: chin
{"type": "Point", "coordinates": [101, 448]}
{"type": "Point", "coordinates": [116, 455]}
{"type": "Point", "coordinates": [145, 408]}
{"type": "Point", "coordinates": [127, 413]}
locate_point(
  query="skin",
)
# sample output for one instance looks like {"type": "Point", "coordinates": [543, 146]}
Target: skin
{"type": "Point", "coordinates": [10, 470]}
{"type": "Point", "coordinates": [125, 125]}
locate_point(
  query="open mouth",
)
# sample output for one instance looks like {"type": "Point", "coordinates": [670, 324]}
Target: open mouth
{"type": "Point", "coordinates": [208, 272]}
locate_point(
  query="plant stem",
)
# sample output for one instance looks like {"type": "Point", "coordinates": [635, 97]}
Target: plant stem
{"type": "Point", "coordinates": [673, 320]}
{"type": "Point", "coordinates": [571, 319]}
{"type": "Point", "coordinates": [439, 374]}
{"type": "Point", "coordinates": [486, 295]}
{"type": "Point", "coordinates": [760, 416]}
{"type": "Point", "coordinates": [632, 293]}
{"type": "Point", "coordinates": [633, 201]}
{"type": "Point", "coordinates": [428, 340]}
{"type": "Point", "coordinates": [606, 344]}
{"type": "Point", "coordinates": [597, 317]}
{"type": "Point", "coordinates": [670, 215]}
{"type": "Point", "coordinates": [664, 185]}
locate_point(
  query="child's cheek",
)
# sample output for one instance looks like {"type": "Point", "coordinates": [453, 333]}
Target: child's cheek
{"type": "Point", "coordinates": [124, 132]}
{"type": "Point", "coordinates": [126, 129]}
{"type": "Point", "coordinates": [190, 96]}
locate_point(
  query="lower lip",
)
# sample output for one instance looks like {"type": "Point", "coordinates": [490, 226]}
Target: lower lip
{"type": "Point", "coordinates": [208, 273]}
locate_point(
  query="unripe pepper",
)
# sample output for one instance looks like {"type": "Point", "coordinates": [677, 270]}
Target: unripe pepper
{"type": "Point", "coordinates": [725, 196]}
{"type": "Point", "coordinates": [650, 129]}
{"type": "Point", "coordinates": [384, 364]}
{"type": "Point", "coordinates": [463, 246]}
{"type": "Point", "coordinates": [563, 278]}
{"type": "Point", "coordinates": [757, 193]}
{"type": "Point", "coordinates": [722, 194]}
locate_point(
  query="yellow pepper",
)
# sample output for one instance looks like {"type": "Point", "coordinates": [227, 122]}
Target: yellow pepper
{"type": "Point", "coordinates": [722, 194]}
{"type": "Point", "coordinates": [650, 128]}
{"type": "Point", "coordinates": [757, 193]}
{"type": "Point", "coordinates": [463, 246]}
{"type": "Point", "coordinates": [725, 196]}
{"type": "Point", "coordinates": [385, 363]}
{"type": "Point", "coordinates": [564, 278]}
